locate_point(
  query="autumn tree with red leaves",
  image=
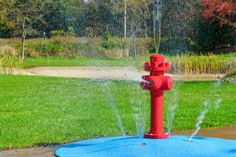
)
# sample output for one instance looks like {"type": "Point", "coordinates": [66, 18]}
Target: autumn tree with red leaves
{"type": "Point", "coordinates": [221, 11]}
{"type": "Point", "coordinates": [215, 25]}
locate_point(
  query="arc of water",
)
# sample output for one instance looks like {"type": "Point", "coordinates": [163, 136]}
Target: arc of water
{"type": "Point", "coordinates": [200, 119]}
{"type": "Point", "coordinates": [105, 88]}
{"type": "Point", "coordinates": [207, 104]}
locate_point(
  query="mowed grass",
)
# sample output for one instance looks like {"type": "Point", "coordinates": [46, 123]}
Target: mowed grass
{"type": "Point", "coordinates": [47, 110]}
{"type": "Point", "coordinates": [184, 64]}
{"type": "Point", "coordinates": [81, 61]}
{"type": "Point", "coordinates": [185, 60]}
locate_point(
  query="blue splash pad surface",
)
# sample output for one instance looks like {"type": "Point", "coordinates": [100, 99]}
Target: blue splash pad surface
{"type": "Point", "coordinates": [129, 146]}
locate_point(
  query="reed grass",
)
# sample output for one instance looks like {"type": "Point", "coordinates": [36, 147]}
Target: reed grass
{"type": "Point", "coordinates": [9, 63]}
{"type": "Point", "coordinates": [202, 64]}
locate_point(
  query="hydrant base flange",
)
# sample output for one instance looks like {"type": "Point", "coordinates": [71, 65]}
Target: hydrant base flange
{"type": "Point", "coordinates": [157, 136]}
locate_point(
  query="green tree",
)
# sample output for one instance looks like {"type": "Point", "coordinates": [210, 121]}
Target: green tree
{"type": "Point", "coordinates": [61, 15]}
{"type": "Point", "coordinates": [99, 15]}
{"type": "Point", "coordinates": [5, 26]}
{"type": "Point", "coordinates": [137, 15]}
{"type": "Point", "coordinates": [23, 14]}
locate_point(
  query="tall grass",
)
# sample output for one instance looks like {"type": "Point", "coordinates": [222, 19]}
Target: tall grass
{"type": "Point", "coordinates": [9, 63]}
{"type": "Point", "coordinates": [74, 47]}
{"type": "Point", "coordinates": [202, 64]}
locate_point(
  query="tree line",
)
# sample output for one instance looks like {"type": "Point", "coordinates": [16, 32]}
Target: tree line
{"type": "Point", "coordinates": [199, 24]}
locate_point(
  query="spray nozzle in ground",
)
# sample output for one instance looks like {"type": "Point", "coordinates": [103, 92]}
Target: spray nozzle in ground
{"type": "Point", "coordinates": [157, 83]}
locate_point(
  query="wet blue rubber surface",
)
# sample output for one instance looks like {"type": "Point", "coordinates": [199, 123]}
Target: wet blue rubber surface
{"type": "Point", "coordinates": [176, 146]}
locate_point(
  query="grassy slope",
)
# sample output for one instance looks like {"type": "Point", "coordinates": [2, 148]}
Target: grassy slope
{"type": "Point", "coordinates": [42, 110]}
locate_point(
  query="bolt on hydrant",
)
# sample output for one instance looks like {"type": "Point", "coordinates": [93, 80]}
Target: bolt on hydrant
{"type": "Point", "coordinates": [157, 83]}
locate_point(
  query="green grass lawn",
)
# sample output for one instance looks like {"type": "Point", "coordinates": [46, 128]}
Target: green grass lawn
{"type": "Point", "coordinates": [102, 61]}
{"type": "Point", "coordinates": [81, 61]}
{"type": "Point", "coordinates": [186, 64]}
{"type": "Point", "coordinates": [47, 110]}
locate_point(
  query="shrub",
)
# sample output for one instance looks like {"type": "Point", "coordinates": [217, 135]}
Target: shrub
{"type": "Point", "coordinates": [230, 77]}
{"type": "Point", "coordinates": [175, 46]}
{"type": "Point", "coordinates": [8, 59]}
{"type": "Point", "coordinates": [121, 43]}
{"type": "Point", "coordinates": [57, 33]}
{"type": "Point", "coordinates": [7, 51]}
{"type": "Point", "coordinates": [85, 49]}
{"type": "Point", "coordinates": [70, 32]}
{"type": "Point", "coordinates": [51, 48]}
{"type": "Point", "coordinates": [8, 62]}
{"type": "Point", "coordinates": [210, 36]}
{"type": "Point", "coordinates": [30, 52]}
{"type": "Point", "coordinates": [143, 46]}
{"type": "Point", "coordinates": [5, 31]}
{"type": "Point", "coordinates": [113, 43]}
{"type": "Point", "coordinates": [115, 53]}
{"type": "Point", "coordinates": [107, 41]}
{"type": "Point", "coordinates": [109, 44]}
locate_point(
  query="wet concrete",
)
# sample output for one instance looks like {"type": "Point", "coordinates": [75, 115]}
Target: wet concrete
{"type": "Point", "coordinates": [30, 152]}
{"type": "Point", "coordinates": [107, 72]}
{"type": "Point", "coordinates": [228, 132]}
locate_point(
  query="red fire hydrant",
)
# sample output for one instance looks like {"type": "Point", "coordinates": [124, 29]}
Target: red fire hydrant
{"type": "Point", "coordinates": [157, 83]}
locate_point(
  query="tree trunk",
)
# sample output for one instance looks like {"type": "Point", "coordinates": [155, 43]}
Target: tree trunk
{"type": "Point", "coordinates": [23, 46]}
{"type": "Point", "coordinates": [23, 36]}
{"type": "Point", "coordinates": [146, 29]}
{"type": "Point", "coordinates": [125, 19]}
{"type": "Point", "coordinates": [134, 46]}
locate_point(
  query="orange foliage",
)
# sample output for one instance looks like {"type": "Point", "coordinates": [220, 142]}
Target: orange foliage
{"type": "Point", "coordinates": [220, 11]}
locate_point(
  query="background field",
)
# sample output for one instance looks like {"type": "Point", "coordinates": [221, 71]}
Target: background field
{"type": "Point", "coordinates": [71, 51]}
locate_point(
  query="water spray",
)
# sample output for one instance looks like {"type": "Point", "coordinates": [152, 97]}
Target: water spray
{"type": "Point", "coordinates": [157, 23]}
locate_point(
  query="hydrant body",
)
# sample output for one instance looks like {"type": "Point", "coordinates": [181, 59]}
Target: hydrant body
{"type": "Point", "coordinates": [157, 83]}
